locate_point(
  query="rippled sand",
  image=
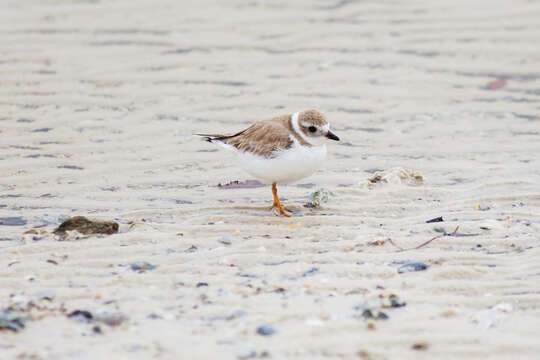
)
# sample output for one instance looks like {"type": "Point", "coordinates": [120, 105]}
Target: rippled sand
{"type": "Point", "coordinates": [98, 104]}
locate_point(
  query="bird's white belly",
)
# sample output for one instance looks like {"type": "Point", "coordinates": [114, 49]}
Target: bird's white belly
{"type": "Point", "coordinates": [288, 166]}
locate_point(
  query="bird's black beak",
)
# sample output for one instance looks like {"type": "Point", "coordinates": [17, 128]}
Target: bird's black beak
{"type": "Point", "coordinates": [332, 136]}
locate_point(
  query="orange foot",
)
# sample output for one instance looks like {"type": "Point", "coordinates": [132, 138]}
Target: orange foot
{"type": "Point", "coordinates": [277, 203]}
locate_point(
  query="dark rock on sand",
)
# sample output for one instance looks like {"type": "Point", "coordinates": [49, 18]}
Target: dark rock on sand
{"type": "Point", "coordinates": [12, 320]}
{"type": "Point", "coordinates": [412, 266]}
{"type": "Point", "coordinates": [142, 265]}
{"type": "Point", "coordinates": [87, 227]}
{"type": "Point", "coordinates": [266, 330]}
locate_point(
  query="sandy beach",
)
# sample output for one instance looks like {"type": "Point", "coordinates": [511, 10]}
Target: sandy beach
{"type": "Point", "coordinates": [99, 101]}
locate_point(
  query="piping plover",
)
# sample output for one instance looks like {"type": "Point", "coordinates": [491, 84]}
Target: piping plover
{"type": "Point", "coordinates": [280, 150]}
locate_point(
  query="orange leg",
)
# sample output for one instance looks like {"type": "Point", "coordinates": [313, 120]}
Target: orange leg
{"type": "Point", "coordinates": [277, 203]}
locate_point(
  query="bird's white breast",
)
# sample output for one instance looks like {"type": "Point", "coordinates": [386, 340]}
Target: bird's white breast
{"type": "Point", "coordinates": [287, 166]}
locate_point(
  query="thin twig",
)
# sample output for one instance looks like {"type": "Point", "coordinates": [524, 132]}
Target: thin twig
{"type": "Point", "coordinates": [453, 233]}
{"type": "Point", "coordinates": [396, 245]}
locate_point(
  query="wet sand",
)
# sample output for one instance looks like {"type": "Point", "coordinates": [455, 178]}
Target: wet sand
{"type": "Point", "coordinates": [99, 102]}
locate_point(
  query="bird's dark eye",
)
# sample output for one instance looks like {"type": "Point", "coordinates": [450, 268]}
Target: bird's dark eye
{"type": "Point", "coordinates": [312, 129]}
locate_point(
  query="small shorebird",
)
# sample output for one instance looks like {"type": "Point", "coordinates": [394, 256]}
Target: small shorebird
{"type": "Point", "coordinates": [280, 150]}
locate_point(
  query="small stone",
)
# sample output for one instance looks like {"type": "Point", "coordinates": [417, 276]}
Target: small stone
{"type": "Point", "coordinates": [266, 330]}
{"type": "Point", "coordinates": [201, 284]}
{"type": "Point", "coordinates": [395, 301]}
{"type": "Point", "coordinates": [12, 320]}
{"type": "Point", "coordinates": [142, 265]}
{"type": "Point", "coordinates": [367, 314]}
{"type": "Point", "coordinates": [81, 316]}
{"type": "Point", "coordinates": [412, 266]}
{"type": "Point", "coordinates": [437, 219]}
{"type": "Point", "coordinates": [191, 249]}
{"type": "Point", "coordinates": [420, 346]}
{"type": "Point", "coordinates": [226, 239]}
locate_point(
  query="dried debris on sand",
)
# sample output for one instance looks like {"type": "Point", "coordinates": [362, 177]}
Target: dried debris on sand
{"type": "Point", "coordinates": [397, 175]}
{"type": "Point", "coordinates": [317, 198]}
{"type": "Point", "coordinates": [86, 226]}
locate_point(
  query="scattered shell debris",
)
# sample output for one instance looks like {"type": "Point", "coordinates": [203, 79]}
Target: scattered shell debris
{"type": "Point", "coordinates": [318, 197]}
{"type": "Point", "coordinates": [397, 176]}
{"type": "Point", "coordinates": [22, 308]}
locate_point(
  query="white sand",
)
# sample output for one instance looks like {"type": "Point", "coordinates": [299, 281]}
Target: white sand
{"type": "Point", "coordinates": [120, 86]}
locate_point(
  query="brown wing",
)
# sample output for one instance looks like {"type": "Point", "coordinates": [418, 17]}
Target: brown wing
{"type": "Point", "coordinates": [262, 138]}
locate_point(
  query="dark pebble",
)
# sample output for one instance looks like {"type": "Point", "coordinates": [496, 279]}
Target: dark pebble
{"type": "Point", "coordinates": [266, 330]}
{"type": "Point", "coordinates": [81, 316]}
{"type": "Point", "coordinates": [412, 266]}
{"type": "Point", "coordinates": [368, 314]}
{"type": "Point", "coordinates": [420, 346]}
{"type": "Point", "coordinates": [396, 302]}
{"type": "Point", "coordinates": [311, 272]}
{"type": "Point", "coordinates": [440, 230]}
{"type": "Point", "coordinates": [12, 320]}
{"type": "Point", "coordinates": [142, 265]}
{"type": "Point", "coordinates": [191, 249]}
{"type": "Point", "coordinates": [437, 219]}
{"type": "Point", "coordinates": [201, 284]}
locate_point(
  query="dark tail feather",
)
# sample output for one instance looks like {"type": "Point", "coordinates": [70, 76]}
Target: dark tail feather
{"type": "Point", "coordinates": [210, 137]}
